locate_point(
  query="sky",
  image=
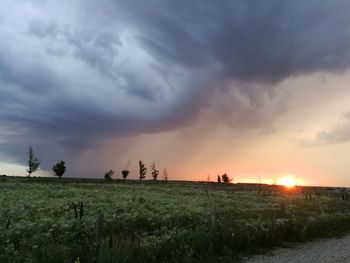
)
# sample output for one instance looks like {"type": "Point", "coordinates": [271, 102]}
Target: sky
{"type": "Point", "coordinates": [255, 89]}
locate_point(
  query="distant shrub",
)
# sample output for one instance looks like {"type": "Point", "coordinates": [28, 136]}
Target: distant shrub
{"type": "Point", "coordinates": [125, 174]}
{"type": "Point", "coordinates": [226, 179]}
{"type": "Point", "coordinates": [108, 175]}
{"type": "Point", "coordinates": [219, 179]}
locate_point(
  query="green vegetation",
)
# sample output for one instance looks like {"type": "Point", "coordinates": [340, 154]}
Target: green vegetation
{"type": "Point", "coordinates": [67, 220]}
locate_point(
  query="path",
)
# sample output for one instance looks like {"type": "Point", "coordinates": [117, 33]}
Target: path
{"type": "Point", "coordinates": [336, 250]}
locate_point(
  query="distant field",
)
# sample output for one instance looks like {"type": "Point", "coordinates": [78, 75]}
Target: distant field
{"type": "Point", "coordinates": [47, 220]}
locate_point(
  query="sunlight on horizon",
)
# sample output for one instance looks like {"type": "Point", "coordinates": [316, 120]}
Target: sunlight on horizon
{"type": "Point", "coordinates": [289, 181]}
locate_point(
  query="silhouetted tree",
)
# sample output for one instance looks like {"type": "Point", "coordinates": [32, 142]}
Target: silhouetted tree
{"type": "Point", "coordinates": [226, 179]}
{"type": "Point", "coordinates": [125, 174]}
{"type": "Point", "coordinates": [165, 175]}
{"type": "Point", "coordinates": [154, 171]}
{"type": "Point", "coordinates": [108, 175]}
{"type": "Point", "coordinates": [59, 168]}
{"type": "Point", "coordinates": [219, 179]}
{"type": "Point", "coordinates": [142, 170]}
{"type": "Point", "coordinates": [33, 162]}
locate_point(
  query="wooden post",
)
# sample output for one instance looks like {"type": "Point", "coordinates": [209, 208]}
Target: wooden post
{"type": "Point", "coordinates": [213, 217]}
{"type": "Point", "coordinates": [8, 222]}
{"type": "Point", "coordinates": [99, 228]}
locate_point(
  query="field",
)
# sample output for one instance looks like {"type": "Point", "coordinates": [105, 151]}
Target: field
{"type": "Point", "coordinates": [51, 220]}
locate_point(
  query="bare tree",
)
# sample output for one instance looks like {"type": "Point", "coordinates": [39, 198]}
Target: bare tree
{"type": "Point", "coordinates": [154, 171]}
{"type": "Point", "coordinates": [109, 174]}
{"type": "Point", "coordinates": [208, 178]}
{"type": "Point", "coordinates": [165, 174]}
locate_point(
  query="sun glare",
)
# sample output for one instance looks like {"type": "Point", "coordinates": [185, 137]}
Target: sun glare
{"type": "Point", "coordinates": [288, 181]}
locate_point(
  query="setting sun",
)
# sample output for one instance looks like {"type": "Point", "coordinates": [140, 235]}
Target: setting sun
{"type": "Point", "coordinates": [288, 181]}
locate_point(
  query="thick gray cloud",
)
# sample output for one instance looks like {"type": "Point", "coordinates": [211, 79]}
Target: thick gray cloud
{"type": "Point", "coordinates": [249, 40]}
{"type": "Point", "coordinates": [74, 73]}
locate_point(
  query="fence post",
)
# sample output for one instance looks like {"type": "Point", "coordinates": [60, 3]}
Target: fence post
{"type": "Point", "coordinates": [99, 228]}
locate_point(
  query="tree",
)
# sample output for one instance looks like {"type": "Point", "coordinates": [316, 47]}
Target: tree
{"type": "Point", "coordinates": [125, 174]}
{"type": "Point", "coordinates": [154, 171]}
{"type": "Point", "coordinates": [219, 179]}
{"type": "Point", "coordinates": [142, 170]}
{"type": "Point", "coordinates": [33, 162]}
{"type": "Point", "coordinates": [59, 168]}
{"type": "Point", "coordinates": [108, 175]}
{"type": "Point", "coordinates": [226, 179]}
{"type": "Point", "coordinates": [165, 175]}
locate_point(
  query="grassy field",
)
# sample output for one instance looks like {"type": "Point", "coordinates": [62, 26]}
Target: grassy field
{"type": "Point", "coordinates": [47, 220]}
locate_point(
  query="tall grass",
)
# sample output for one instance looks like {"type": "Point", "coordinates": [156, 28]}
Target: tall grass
{"type": "Point", "coordinates": [159, 222]}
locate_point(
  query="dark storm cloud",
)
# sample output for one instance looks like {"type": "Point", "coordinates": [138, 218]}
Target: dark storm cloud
{"type": "Point", "coordinates": [75, 73]}
{"type": "Point", "coordinates": [95, 48]}
{"type": "Point", "coordinates": [33, 79]}
{"type": "Point", "coordinates": [254, 41]}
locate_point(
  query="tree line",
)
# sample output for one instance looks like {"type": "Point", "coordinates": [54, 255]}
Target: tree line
{"type": "Point", "coordinates": [33, 165]}
{"type": "Point", "coordinates": [60, 168]}
{"type": "Point", "coordinates": [142, 172]}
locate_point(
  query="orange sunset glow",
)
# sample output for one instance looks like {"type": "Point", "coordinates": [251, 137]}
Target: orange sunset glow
{"type": "Point", "coordinates": [289, 181]}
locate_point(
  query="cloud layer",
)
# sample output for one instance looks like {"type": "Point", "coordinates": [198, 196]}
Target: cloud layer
{"type": "Point", "coordinates": [73, 74]}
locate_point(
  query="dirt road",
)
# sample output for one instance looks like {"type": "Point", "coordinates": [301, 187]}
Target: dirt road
{"type": "Point", "coordinates": [335, 250]}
